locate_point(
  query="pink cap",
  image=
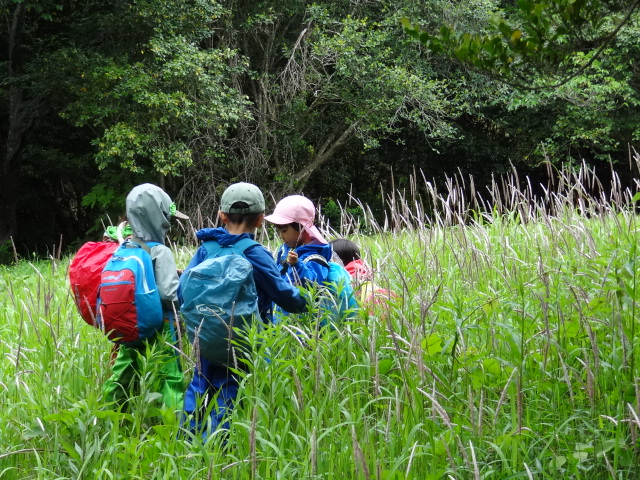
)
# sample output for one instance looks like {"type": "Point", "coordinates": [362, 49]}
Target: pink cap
{"type": "Point", "coordinates": [296, 209]}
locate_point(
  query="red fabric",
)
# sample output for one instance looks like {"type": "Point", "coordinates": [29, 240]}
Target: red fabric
{"type": "Point", "coordinates": [118, 309]}
{"type": "Point", "coordinates": [359, 271]}
{"type": "Point", "coordinates": [84, 276]}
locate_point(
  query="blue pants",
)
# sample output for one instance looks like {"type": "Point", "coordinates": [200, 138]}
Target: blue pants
{"type": "Point", "coordinates": [210, 383]}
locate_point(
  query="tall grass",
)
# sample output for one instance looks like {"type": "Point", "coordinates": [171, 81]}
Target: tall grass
{"type": "Point", "coordinates": [510, 352]}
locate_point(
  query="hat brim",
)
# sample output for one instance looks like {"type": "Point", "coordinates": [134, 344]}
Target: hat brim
{"type": "Point", "coordinates": [312, 230]}
{"type": "Point", "coordinates": [278, 220]}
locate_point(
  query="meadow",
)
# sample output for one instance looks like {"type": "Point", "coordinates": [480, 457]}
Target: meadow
{"type": "Point", "coordinates": [510, 352]}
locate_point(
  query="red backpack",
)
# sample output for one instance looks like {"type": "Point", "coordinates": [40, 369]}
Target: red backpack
{"type": "Point", "coordinates": [129, 306]}
{"type": "Point", "coordinates": [85, 272]}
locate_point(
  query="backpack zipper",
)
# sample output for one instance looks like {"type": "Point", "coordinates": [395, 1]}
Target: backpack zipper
{"type": "Point", "coordinates": [145, 285]}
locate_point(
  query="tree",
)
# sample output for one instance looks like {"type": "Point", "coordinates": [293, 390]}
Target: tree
{"type": "Point", "coordinates": [536, 40]}
{"type": "Point", "coordinates": [295, 97]}
{"type": "Point", "coordinates": [16, 111]}
{"type": "Point", "coordinates": [160, 100]}
{"type": "Point", "coordinates": [329, 77]}
{"type": "Point", "coordinates": [152, 90]}
{"type": "Point", "coordinates": [138, 83]}
{"type": "Point", "coordinates": [567, 63]}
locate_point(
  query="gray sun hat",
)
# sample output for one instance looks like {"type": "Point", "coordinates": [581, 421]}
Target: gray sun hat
{"type": "Point", "coordinates": [242, 192]}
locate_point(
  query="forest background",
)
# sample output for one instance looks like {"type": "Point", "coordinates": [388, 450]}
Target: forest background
{"type": "Point", "coordinates": [333, 98]}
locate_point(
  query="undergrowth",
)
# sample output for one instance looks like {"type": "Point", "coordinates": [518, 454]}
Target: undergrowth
{"type": "Point", "coordinates": [510, 351]}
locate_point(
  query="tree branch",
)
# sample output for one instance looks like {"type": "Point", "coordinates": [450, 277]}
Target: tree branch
{"type": "Point", "coordinates": [325, 152]}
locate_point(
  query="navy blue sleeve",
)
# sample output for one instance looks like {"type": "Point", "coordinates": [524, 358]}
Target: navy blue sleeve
{"type": "Point", "coordinates": [270, 285]}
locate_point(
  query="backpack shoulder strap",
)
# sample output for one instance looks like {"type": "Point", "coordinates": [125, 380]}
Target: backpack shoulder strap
{"type": "Point", "coordinates": [244, 244]}
{"type": "Point", "coordinates": [214, 249]}
{"type": "Point", "coordinates": [280, 251]}
{"type": "Point", "coordinates": [142, 244]}
{"type": "Point", "coordinates": [318, 259]}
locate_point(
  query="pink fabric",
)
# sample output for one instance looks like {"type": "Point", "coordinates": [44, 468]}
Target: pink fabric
{"type": "Point", "coordinates": [359, 271]}
{"type": "Point", "coordinates": [378, 297]}
{"type": "Point", "coordinates": [296, 209]}
{"type": "Point", "coordinates": [370, 295]}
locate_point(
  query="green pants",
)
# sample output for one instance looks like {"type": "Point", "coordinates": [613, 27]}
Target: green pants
{"type": "Point", "coordinates": [153, 362]}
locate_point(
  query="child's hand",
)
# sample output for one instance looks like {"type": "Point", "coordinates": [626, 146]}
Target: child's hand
{"type": "Point", "coordinates": [292, 258]}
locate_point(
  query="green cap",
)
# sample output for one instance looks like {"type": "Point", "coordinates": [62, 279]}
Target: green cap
{"type": "Point", "coordinates": [242, 192]}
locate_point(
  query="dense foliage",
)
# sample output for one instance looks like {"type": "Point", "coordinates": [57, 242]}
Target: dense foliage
{"type": "Point", "coordinates": [331, 99]}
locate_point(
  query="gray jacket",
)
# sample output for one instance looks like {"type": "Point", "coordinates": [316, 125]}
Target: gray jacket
{"type": "Point", "coordinates": [148, 213]}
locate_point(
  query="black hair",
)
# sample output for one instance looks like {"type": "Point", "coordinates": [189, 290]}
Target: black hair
{"type": "Point", "coordinates": [347, 250]}
{"type": "Point", "coordinates": [249, 219]}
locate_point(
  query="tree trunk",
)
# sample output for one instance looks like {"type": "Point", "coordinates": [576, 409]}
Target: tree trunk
{"type": "Point", "coordinates": [10, 177]}
{"type": "Point", "coordinates": [10, 186]}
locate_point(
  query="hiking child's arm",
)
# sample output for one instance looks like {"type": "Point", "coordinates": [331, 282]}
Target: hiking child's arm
{"type": "Point", "coordinates": [268, 279]}
{"type": "Point", "coordinates": [166, 274]}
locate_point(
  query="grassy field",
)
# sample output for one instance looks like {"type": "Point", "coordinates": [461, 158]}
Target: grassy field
{"type": "Point", "coordinates": [510, 352]}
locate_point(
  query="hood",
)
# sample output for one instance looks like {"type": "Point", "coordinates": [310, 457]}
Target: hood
{"type": "Point", "coordinates": [149, 212]}
{"type": "Point", "coordinates": [323, 249]}
{"type": "Point", "coordinates": [220, 235]}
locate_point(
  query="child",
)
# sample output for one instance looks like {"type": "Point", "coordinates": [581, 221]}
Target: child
{"type": "Point", "coordinates": [242, 212]}
{"type": "Point", "coordinates": [369, 294]}
{"type": "Point", "coordinates": [149, 213]}
{"type": "Point", "coordinates": [349, 254]}
{"type": "Point", "coordinates": [304, 255]}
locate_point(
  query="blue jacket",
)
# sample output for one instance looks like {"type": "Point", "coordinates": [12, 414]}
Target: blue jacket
{"type": "Point", "coordinates": [303, 273]}
{"type": "Point", "coordinates": [271, 287]}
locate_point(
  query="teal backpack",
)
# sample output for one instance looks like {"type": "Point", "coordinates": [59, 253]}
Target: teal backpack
{"type": "Point", "coordinates": [219, 301]}
{"type": "Point", "coordinates": [341, 304]}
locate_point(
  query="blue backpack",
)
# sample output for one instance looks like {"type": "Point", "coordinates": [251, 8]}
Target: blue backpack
{"type": "Point", "coordinates": [128, 302]}
{"type": "Point", "coordinates": [219, 300]}
{"type": "Point", "coordinates": [341, 304]}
